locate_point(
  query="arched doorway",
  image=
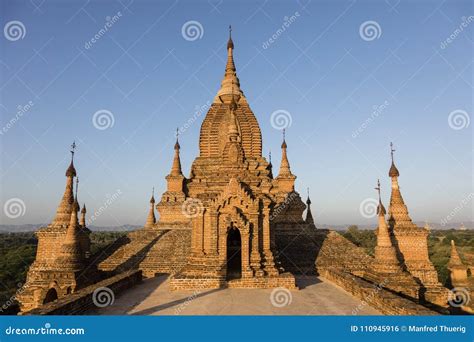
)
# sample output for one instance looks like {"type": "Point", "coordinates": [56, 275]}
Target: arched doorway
{"type": "Point", "coordinates": [51, 296]}
{"type": "Point", "coordinates": [234, 254]}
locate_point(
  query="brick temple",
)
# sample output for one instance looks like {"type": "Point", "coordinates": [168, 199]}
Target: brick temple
{"type": "Point", "coordinates": [231, 223]}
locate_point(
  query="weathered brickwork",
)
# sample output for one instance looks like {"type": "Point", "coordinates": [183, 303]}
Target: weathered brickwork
{"type": "Point", "coordinates": [82, 301]}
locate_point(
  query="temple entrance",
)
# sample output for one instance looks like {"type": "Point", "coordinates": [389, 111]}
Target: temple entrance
{"type": "Point", "coordinates": [234, 254]}
{"type": "Point", "coordinates": [51, 296]}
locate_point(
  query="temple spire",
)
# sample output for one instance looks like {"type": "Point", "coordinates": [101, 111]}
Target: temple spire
{"type": "Point", "coordinates": [309, 215]}
{"type": "Point", "coordinates": [83, 216]}
{"type": "Point", "coordinates": [383, 235]}
{"type": "Point", "coordinates": [63, 213]}
{"type": "Point", "coordinates": [270, 165]}
{"type": "Point", "coordinates": [285, 165]}
{"type": "Point", "coordinates": [176, 168]}
{"type": "Point", "coordinates": [151, 219]}
{"type": "Point", "coordinates": [71, 256]}
{"type": "Point", "coordinates": [398, 211]}
{"type": "Point", "coordinates": [455, 259]}
{"type": "Point", "coordinates": [230, 85]}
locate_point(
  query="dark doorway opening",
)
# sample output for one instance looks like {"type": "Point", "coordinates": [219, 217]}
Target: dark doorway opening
{"type": "Point", "coordinates": [234, 254]}
{"type": "Point", "coordinates": [51, 296]}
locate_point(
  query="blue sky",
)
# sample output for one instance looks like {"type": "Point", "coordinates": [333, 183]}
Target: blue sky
{"type": "Point", "coordinates": [327, 73]}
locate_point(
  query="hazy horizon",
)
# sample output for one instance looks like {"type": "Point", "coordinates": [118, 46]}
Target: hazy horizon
{"type": "Point", "coordinates": [347, 93]}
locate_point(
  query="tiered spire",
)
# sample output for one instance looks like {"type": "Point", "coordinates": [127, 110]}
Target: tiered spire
{"type": "Point", "coordinates": [386, 260]}
{"type": "Point", "coordinates": [63, 213]}
{"type": "Point", "coordinates": [270, 165]}
{"type": "Point", "coordinates": [398, 211]}
{"type": "Point", "coordinates": [455, 259]}
{"type": "Point", "coordinates": [230, 85]}
{"type": "Point", "coordinates": [285, 170]}
{"type": "Point", "coordinates": [151, 219]}
{"type": "Point", "coordinates": [309, 215]}
{"type": "Point", "coordinates": [71, 256]}
{"type": "Point", "coordinates": [383, 235]}
{"type": "Point", "coordinates": [83, 216]}
{"type": "Point", "coordinates": [176, 168]}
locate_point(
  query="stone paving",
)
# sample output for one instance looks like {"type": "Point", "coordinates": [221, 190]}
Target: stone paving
{"type": "Point", "coordinates": [315, 297]}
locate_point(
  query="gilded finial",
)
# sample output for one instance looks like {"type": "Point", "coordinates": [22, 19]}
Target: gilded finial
{"type": "Point", "coordinates": [393, 172]}
{"type": "Point", "coordinates": [380, 208]}
{"type": "Point", "coordinates": [378, 189]}
{"type": "Point", "coordinates": [230, 43]}
{"type": "Point", "coordinates": [73, 149]}
{"type": "Point", "coordinates": [391, 150]}
{"type": "Point", "coordinates": [176, 145]}
{"type": "Point", "coordinates": [152, 199]}
{"type": "Point", "coordinates": [283, 144]}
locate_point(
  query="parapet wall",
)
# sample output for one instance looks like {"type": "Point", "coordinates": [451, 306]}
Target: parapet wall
{"type": "Point", "coordinates": [373, 295]}
{"type": "Point", "coordinates": [81, 301]}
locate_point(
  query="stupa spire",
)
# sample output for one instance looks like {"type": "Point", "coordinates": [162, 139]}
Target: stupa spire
{"type": "Point", "coordinates": [63, 213]}
{"type": "Point", "coordinates": [151, 219]}
{"type": "Point", "coordinates": [383, 235]}
{"type": "Point", "coordinates": [398, 211]}
{"type": "Point", "coordinates": [83, 216]}
{"type": "Point", "coordinates": [455, 259]}
{"type": "Point", "coordinates": [230, 85]}
{"type": "Point", "coordinates": [270, 165]}
{"type": "Point", "coordinates": [309, 215]}
{"type": "Point", "coordinates": [285, 164]}
{"type": "Point", "coordinates": [71, 256]}
{"type": "Point", "coordinates": [176, 168]}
